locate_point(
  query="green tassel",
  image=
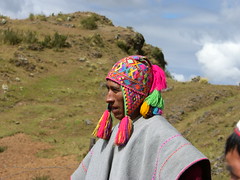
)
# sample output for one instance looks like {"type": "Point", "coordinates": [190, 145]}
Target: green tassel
{"type": "Point", "coordinates": [155, 99]}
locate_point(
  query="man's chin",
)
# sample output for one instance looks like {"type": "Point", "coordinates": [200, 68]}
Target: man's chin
{"type": "Point", "coordinates": [119, 117]}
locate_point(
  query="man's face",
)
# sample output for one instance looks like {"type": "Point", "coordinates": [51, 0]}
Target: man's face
{"type": "Point", "coordinates": [233, 164]}
{"type": "Point", "coordinates": [115, 99]}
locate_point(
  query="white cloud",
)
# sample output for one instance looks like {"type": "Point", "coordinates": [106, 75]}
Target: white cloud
{"type": "Point", "coordinates": [178, 77]}
{"type": "Point", "coordinates": [220, 62]}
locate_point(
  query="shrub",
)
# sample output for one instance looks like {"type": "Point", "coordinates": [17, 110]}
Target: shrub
{"type": "Point", "coordinates": [59, 40]}
{"type": "Point", "coordinates": [90, 22]}
{"type": "Point", "coordinates": [47, 41]}
{"type": "Point", "coordinates": [97, 40]}
{"type": "Point", "coordinates": [122, 45]}
{"type": "Point", "coordinates": [41, 17]}
{"type": "Point", "coordinates": [61, 17]}
{"type": "Point", "coordinates": [30, 37]}
{"type": "Point", "coordinates": [203, 80]}
{"type": "Point", "coordinates": [11, 37]}
{"type": "Point", "coordinates": [31, 16]}
{"type": "Point", "coordinates": [157, 53]}
{"type": "Point", "coordinates": [2, 148]}
{"type": "Point", "coordinates": [130, 28]}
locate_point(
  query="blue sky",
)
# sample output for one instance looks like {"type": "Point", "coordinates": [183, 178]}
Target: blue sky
{"type": "Point", "coordinates": [198, 38]}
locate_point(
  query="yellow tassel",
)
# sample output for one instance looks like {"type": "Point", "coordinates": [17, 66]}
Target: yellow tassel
{"type": "Point", "coordinates": [104, 126]}
{"type": "Point", "coordinates": [144, 109]}
{"type": "Point", "coordinates": [97, 127]}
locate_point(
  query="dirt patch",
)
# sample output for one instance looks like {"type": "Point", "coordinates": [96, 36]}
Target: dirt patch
{"type": "Point", "coordinates": [19, 161]}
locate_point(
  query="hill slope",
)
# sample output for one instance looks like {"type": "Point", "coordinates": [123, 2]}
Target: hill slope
{"type": "Point", "coordinates": [52, 76]}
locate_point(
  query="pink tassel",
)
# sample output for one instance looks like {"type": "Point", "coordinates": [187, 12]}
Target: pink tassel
{"type": "Point", "coordinates": [124, 131]}
{"type": "Point", "coordinates": [159, 79]}
{"type": "Point", "coordinates": [104, 127]}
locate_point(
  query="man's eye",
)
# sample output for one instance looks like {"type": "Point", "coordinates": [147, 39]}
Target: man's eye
{"type": "Point", "coordinates": [115, 90]}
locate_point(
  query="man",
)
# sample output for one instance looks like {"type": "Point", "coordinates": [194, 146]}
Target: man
{"type": "Point", "coordinates": [143, 145]}
{"type": "Point", "coordinates": [232, 153]}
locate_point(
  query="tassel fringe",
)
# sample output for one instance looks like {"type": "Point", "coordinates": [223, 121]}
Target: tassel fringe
{"type": "Point", "coordinates": [144, 109]}
{"type": "Point", "coordinates": [159, 79]}
{"type": "Point", "coordinates": [155, 101]}
{"type": "Point", "coordinates": [124, 131]}
{"type": "Point", "coordinates": [104, 126]}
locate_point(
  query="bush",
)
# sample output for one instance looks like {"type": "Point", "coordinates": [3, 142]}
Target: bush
{"type": "Point", "coordinates": [30, 37]}
{"type": "Point", "coordinates": [129, 27]}
{"type": "Point", "coordinates": [15, 37]}
{"type": "Point", "coordinates": [2, 148]}
{"type": "Point", "coordinates": [41, 17]}
{"type": "Point", "coordinates": [97, 40]}
{"type": "Point", "coordinates": [11, 37]}
{"type": "Point", "coordinates": [61, 17]}
{"type": "Point", "coordinates": [90, 22]}
{"type": "Point", "coordinates": [47, 41]}
{"type": "Point", "coordinates": [203, 80]}
{"type": "Point", "coordinates": [157, 53]}
{"type": "Point", "coordinates": [122, 45]}
{"type": "Point", "coordinates": [31, 16]}
{"type": "Point", "coordinates": [59, 40]}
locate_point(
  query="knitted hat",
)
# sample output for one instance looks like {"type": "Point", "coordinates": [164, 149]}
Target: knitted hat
{"type": "Point", "coordinates": [141, 83]}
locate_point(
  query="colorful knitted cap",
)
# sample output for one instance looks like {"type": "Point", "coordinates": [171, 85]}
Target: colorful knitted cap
{"type": "Point", "coordinates": [134, 74]}
{"type": "Point", "coordinates": [141, 84]}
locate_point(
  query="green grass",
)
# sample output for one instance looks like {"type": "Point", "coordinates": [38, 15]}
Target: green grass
{"type": "Point", "coordinates": [53, 109]}
{"type": "Point", "coordinates": [3, 148]}
{"type": "Point", "coordinates": [42, 177]}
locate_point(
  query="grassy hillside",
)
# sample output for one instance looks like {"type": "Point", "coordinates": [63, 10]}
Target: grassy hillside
{"type": "Point", "coordinates": [52, 73]}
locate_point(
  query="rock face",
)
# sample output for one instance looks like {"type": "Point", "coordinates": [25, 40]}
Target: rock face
{"type": "Point", "coordinates": [136, 42]}
{"type": "Point", "coordinates": [133, 42]}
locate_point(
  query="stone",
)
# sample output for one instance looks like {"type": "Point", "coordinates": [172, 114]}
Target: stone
{"type": "Point", "coordinates": [88, 122]}
{"type": "Point", "coordinates": [5, 87]}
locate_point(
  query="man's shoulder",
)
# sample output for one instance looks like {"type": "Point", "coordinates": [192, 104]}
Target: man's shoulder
{"type": "Point", "coordinates": [157, 126]}
{"type": "Point", "coordinates": [159, 122]}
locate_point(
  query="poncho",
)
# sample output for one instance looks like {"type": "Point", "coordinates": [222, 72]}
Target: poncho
{"type": "Point", "coordinates": [156, 150]}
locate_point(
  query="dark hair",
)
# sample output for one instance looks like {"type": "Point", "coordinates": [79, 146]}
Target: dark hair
{"type": "Point", "coordinates": [233, 141]}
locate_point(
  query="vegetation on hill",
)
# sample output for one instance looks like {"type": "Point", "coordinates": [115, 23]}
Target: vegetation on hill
{"type": "Point", "coordinates": [52, 73]}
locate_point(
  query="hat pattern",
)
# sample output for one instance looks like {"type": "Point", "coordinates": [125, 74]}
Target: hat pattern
{"type": "Point", "coordinates": [133, 72]}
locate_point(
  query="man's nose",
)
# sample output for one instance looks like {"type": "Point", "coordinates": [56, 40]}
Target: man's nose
{"type": "Point", "coordinates": [109, 97]}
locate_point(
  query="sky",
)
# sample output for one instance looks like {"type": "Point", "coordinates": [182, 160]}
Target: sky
{"type": "Point", "coordinates": [198, 38]}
